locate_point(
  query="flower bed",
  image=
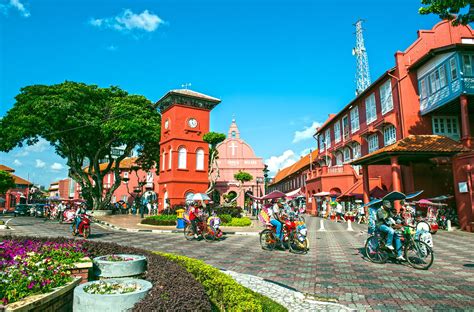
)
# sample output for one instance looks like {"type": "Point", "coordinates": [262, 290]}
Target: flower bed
{"type": "Point", "coordinates": [116, 258]}
{"type": "Point", "coordinates": [29, 267]}
{"type": "Point", "coordinates": [111, 288]}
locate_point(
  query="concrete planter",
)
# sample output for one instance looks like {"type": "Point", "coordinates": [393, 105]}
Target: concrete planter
{"type": "Point", "coordinates": [101, 213]}
{"type": "Point", "coordinates": [60, 299]}
{"type": "Point", "coordinates": [119, 269]}
{"type": "Point", "coordinates": [84, 302]}
{"type": "Point", "coordinates": [82, 270]}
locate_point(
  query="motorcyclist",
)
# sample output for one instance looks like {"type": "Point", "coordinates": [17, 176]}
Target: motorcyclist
{"type": "Point", "coordinates": [386, 223]}
{"type": "Point", "coordinates": [77, 217]}
{"type": "Point", "coordinates": [274, 212]}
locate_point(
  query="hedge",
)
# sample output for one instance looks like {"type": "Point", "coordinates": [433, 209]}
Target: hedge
{"type": "Point", "coordinates": [163, 219]}
{"type": "Point", "coordinates": [174, 289]}
{"type": "Point", "coordinates": [239, 222]}
{"type": "Point", "coordinates": [223, 291]}
{"type": "Point", "coordinates": [235, 212]}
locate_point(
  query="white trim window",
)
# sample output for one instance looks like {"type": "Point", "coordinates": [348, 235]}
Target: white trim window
{"type": "Point", "coordinates": [339, 158]}
{"type": "Point", "coordinates": [370, 108]}
{"type": "Point", "coordinates": [389, 135]}
{"type": "Point", "coordinates": [347, 154]}
{"type": "Point", "coordinates": [447, 126]}
{"type": "Point", "coordinates": [453, 66]}
{"type": "Point", "coordinates": [170, 159]}
{"type": "Point", "coordinates": [423, 88]}
{"type": "Point", "coordinates": [182, 157]}
{"type": "Point", "coordinates": [200, 159]}
{"type": "Point", "coordinates": [386, 98]}
{"type": "Point", "coordinates": [438, 79]}
{"type": "Point", "coordinates": [373, 141]}
{"type": "Point", "coordinates": [327, 136]}
{"type": "Point", "coordinates": [337, 132]}
{"type": "Point", "coordinates": [467, 61]}
{"type": "Point", "coordinates": [321, 142]}
{"type": "Point", "coordinates": [355, 123]}
{"type": "Point", "coordinates": [355, 150]}
{"type": "Point", "coordinates": [345, 127]}
{"type": "Point", "coordinates": [163, 164]}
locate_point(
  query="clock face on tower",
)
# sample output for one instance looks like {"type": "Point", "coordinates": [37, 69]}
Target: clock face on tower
{"type": "Point", "coordinates": [192, 123]}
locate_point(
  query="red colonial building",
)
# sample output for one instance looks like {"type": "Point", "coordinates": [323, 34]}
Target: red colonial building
{"type": "Point", "coordinates": [17, 195]}
{"type": "Point", "coordinates": [410, 129]}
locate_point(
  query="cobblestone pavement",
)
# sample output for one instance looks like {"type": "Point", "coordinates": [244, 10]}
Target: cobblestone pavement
{"type": "Point", "coordinates": [333, 270]}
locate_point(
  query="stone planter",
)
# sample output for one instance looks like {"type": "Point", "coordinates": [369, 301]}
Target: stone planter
{"type": "Point", "coordinates": [84, 302]}
{"type": "Point", "coordinates": [119, 269]}
{"type": "Point", "coordinates": [60, 299]}
{"type": "Point", "coordinates": [101, 213]}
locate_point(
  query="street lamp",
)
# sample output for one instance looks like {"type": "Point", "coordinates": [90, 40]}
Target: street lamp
{"type": "Point", "coordinates": [259, 180]}
{"type": "Point", "coordinates": [265, 174]}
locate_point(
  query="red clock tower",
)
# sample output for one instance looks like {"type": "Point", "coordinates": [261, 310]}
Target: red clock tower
{"type": "Point", "coordinates": [184, 155]}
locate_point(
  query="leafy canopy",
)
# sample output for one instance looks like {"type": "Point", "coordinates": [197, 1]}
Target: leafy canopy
{"type": "Point", "coordinates": [243, 176]}
{"type": "Point", "coordinates": [450, 10]}
{"type": "Point", "coordinates": [85, 124]}
{"type": "Point", "coordinates": [6, 181]}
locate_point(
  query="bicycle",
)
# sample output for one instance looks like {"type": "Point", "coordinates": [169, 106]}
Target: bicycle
{"type": "Point", "coordinates": [418, 254]}
{"type": "Point", "coordinates": [294, 234]}
{"type": "Point", "coordinates": [203, 230]}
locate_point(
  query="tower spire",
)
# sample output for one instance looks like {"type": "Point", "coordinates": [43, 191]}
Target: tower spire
{"type": "Point", "coordinates": [362, 71]}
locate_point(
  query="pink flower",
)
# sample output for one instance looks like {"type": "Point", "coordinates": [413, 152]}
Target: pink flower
{"type": "Point", "coordinates": [31, 284]}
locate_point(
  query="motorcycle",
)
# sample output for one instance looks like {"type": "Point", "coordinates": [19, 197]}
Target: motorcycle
{"type": "Point", "coordinates": [67, 216]}
{"type": "Point", "coordinates": [84, 228]}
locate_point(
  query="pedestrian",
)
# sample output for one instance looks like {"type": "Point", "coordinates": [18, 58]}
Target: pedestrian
{"type": "Point", "coordinates": [148, 208]}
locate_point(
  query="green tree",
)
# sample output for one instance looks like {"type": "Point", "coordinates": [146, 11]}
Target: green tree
{"type": "Point", "coordinates": [449, 10]}
{"type": "Point", "coordinates": [213, 139]}
{"type": "Point", "coordinates": [86, 125]}
{"type": "Point", "coordinates": [6, 182]}
{"type": "Point", "coordinates": [242, 177]}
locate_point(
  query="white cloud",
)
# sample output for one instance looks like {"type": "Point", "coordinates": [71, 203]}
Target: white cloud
{"type": "Point", "coordinates": [17, 163]}
{"type": "Point", "coordinates": [129, 21]}
{"type": "Point", "coordinates": [56, 166]}
{"type": "Point", "coordinates": [40, 163]}
{"type": "Point", "coordinates": [112, 48]}
{"type": "Point", "coordinates": [39, 147]}
{"type": "Point", "coordinates": [286, 159]}
{"type": "Point", "coordinates": [306, 133]}
{"type": "Point", "coordinates": [15, 4]}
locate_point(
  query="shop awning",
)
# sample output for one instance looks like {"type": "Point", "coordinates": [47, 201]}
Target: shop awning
{"type": "Point", "coordinates": [274, 195]}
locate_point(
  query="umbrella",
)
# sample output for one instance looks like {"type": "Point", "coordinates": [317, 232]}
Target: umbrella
{"type": "Point", "coordinates": [201, 197]}
{"type": "Point", "coordinates": [274, 195]}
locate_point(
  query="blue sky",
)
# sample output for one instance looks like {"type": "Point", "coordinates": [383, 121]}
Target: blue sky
{"type": "Point", "coordinates": [280, 66]}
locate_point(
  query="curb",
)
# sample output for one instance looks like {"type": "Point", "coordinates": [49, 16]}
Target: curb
{"type": "Point", "coordinates": [112, 226]}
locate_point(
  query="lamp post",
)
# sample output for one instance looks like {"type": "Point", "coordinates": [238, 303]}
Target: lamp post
{"type": "Point", "coordinates": [265, 175]}
{"type": "Point", "coordinates": [259, 180]}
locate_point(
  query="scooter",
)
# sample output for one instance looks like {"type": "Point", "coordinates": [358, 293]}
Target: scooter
{"type": "Point", "coordinates": [84, 227]}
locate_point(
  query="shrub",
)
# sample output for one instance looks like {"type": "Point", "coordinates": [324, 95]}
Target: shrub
{"type": "Point", "coordinates": [160, 220]}
{"type": "Point", "coordinates": [239, 222]}
{"type": "Point", "coordinates": [174, 289]}
{"type": "Point", "coordinates": [235, 212]}
{"type": "Point", "coordinates": [224, 292]}
{"type": "Point", "coordinates": [225, 218]}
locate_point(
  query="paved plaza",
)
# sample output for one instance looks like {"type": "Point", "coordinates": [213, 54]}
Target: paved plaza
{"type": "Point", "coordinates": [334, 270]}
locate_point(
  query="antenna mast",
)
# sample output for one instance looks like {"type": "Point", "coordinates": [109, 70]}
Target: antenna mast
{"type": "Point", "coordinates": [362, 72]}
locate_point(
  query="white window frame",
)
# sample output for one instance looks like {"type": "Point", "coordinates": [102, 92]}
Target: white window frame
{"type": "Point", "coordinates": [355, 122]}
{"type": "Point", "coordinates": [424, 88]}
{"type": "Point", "coordinates": [453, 68]}
{"type": "Point", "coordinates": [345, 135]}
{"type": "Point", "coordinates": [321, 142]}
{"type": "Point", "coordinates": [163, 164]}
{"type": "Point", "coordinates": [386, 98]}
{"type": "Point", "coordinates": [337, 132]}
{"type": "Point", "coordinates": [356, 150]}
{"type": "Point", "coordinates": [438, 79]}
{"type": "Point", "coordinates": [346, 152]}
{"type": "Point", "coordinates": [339, 158]}
{"type": "Point", "coordinates": [467, 69]}
{"type": "Point", "coordinates": [370, 109]}
{"type": "Point", "coordinates": [373, 142]}
{"type": "Point", "coordinates": [170, 159]}
{"type": "Point", "coordinates": [389, 135]}
{"type": "Point", "coordinates": [200, 159]}
{"type": "Point", "coordinates": [441, 126]}
{"type": "Point", "coordinates": [182, 158]}
{"type": "Point", "coordinates": [327, 136]}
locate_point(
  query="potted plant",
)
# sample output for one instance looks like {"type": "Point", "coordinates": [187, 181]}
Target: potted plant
{"type": "Point", "coordinates": [119, 265]}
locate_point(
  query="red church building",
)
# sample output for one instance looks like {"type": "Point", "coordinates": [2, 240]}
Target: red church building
{"type": "Point", "coordinates": [411, 128]}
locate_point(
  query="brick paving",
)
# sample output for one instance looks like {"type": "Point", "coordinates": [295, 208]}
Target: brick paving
{"type": "Point", "coordinates": [334, 269]}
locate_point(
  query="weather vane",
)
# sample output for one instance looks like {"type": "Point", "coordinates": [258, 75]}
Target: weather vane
{"type": "Point", "coordinates": [186, 85]}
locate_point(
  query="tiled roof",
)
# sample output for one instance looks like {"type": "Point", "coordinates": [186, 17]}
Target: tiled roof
{"type": "Point", "coordinates": [126, 163]}
{"type": "Point", "coordinates": [5, 168]}
{"type": "Point", "coordinates": [429, 144]}
{"type": "Point", "coordinates": [194, 94]}
{"type": "Point", "coordinates": [21, 181]}
{"type": "Point", "coordinates": [299, 165]}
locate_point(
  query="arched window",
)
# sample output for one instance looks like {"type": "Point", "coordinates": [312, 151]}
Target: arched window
{"type": "Point", "coordinates": [389, 135]}
{"type": "Point", "coordinates": [347, 154]}
{"type": "Point", "coordinates": [170, 159]}
{"type": "Point", "coordinates": [200, 159]}
{"type": "Point", "coordinates": [164, 161]}
{"type": "Point", "coordinates": [355, 150]}
{"type": "Point", "coordinates": [339, 159]}
{"type": "Point", "coordinates": [182, 155]}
